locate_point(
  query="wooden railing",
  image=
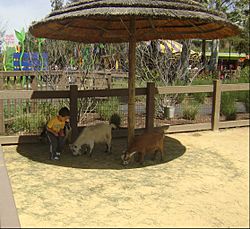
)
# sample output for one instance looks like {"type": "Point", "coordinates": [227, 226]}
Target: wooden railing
{"type": "Point", "coordinates": [151, 91]}
{"type": "Point", "coordinates": [58, 80]}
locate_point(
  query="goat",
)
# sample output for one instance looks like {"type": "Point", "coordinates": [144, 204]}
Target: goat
{"type": "Point", "coordinates": [147, 143]}
{"type": "Point", "coordinates": [99, 133]}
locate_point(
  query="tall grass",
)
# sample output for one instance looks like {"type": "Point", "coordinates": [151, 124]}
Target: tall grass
{"type": "Point", "coordinates": [190, 109]}
{"type": "Point", "coordinates": [228, 105]}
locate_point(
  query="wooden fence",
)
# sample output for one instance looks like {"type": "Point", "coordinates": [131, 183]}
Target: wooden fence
{"type": "Point", "coordinates": [58, 80]}
{"type": "Point", "coordinates": [73, 94]}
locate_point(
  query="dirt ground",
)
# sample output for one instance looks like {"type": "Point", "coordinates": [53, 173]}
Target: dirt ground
{"type": "Point", "coordinates": [202, 182]}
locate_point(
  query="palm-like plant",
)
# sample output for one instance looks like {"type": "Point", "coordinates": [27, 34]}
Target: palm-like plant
{"type": "Point", "coordinates": [21, 38]}
{"type": "Point", "coordinates": [40, 41]}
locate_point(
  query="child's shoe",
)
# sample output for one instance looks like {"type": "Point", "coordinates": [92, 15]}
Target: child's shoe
{"type": "Point", "coordinates": [55, 157]}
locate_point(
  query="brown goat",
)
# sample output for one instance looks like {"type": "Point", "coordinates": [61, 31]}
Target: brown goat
{"type": "Point", "coordinates": [147, 143]}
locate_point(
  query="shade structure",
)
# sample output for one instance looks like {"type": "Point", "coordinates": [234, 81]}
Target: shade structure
{"type": "Point", "coordinates": [113, 21]}
{"type": "Point", "coordinates": [103, 21]}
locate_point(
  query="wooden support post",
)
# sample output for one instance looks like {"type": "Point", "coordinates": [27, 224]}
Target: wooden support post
{"type": "Point", "coordinates": [203, 57]}
{"type": "Point", "coordinates": [216, 104]}
{"type": "Point", "coordinates": [73, 111]}
{"type": "Point", "coordinates": [131, 82]}
{"type": "Point", "coordinates": [109, 80]}
{"type": "Point", "coordinates": [150, 106]}
{"type": "Point", "coordinates": [2, 126]}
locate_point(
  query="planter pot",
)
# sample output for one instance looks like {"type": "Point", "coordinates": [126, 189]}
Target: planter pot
{"type": "Point", "coordinates": [169, 111]}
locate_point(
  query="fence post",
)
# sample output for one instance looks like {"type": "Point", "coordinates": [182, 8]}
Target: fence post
{"type": "Point", "coordinates": [216, 104]}
{"type": "Point", "coordinates": [109, 80]}
{"type": "Point", "coordinates": [150, 106]}
{"type": "Point", "coordinates": [73, 111]}
{"type": "Point", "coordinates": [2, 126]}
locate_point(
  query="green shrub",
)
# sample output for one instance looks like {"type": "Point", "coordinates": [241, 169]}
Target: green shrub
{"type": "Point", "coordinates": [190, 110]}
{"type": "Point", "coordinates": [243, 96]}
{"type": "Point", "coordinates": [244, 75]}
{"type": "Point", "coordinates": [200, 97]}
{"type": "Point", "coordinates": [48, 109]}
{"type": "Point", "coordinates": [246, 102]}
{"type": "Point", "coordinates": [228, 105]}
{"type": "Point", "coordinates": [180, 98]}
{"type": "Point", "coordinates": [107, 108]}
{"type": "Point", "coordinates": [200, 81]}
{"type": "Point", "coordinates": [30, 123]}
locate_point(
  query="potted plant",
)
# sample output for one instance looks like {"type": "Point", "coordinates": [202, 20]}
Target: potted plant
{"type": "Point", "coordinates": [167, 104]}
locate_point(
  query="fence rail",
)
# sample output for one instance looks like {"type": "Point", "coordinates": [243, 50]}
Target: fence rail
{"type": "Point", "coordinates": [150, 92]}
{"type": "Point", "coordinates": [58, 79]}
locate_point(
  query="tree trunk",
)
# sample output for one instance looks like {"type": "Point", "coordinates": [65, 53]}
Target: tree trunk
{"type": "Point", "coordinates": [203, 54]}
{"type": "Point", "coordinates": [213, 63]}
{"type": "Point", "coordinates": [183, 63]}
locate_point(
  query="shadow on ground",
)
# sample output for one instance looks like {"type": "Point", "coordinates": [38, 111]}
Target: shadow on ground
{"type": "Point", "coordinates": [100, 160]}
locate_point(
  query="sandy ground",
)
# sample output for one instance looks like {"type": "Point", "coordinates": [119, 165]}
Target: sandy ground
{"type": "Point", "coordinates": [202, 182]}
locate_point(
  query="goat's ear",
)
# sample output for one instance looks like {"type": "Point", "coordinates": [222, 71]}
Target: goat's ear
{"type": "Point", "coordinates": [72, 146]}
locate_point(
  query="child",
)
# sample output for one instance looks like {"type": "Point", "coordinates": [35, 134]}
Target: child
{"type": "Point", "coordinates": [55, 133]}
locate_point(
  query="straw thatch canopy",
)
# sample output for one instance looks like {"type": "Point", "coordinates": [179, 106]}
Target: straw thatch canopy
{"type": "Point", "coordinates": [103, 21]}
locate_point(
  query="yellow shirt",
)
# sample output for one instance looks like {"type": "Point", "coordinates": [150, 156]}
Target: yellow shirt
{"type": "Point", "coordinates": [55, 124]}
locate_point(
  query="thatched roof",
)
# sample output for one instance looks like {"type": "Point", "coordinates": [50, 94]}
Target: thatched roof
{"type": "Point", "coordinates": [92, 21]}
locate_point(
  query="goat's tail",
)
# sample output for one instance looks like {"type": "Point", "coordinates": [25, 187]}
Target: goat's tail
{"type": "Point", "coordinates": [113, 126]}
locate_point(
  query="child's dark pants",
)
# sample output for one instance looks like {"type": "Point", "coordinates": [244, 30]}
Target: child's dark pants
{"type": "Point", "coordinates": [56, 144]}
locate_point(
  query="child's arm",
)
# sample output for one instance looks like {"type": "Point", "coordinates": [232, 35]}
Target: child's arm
{"type": "Point", "coordinates": [61, 133]}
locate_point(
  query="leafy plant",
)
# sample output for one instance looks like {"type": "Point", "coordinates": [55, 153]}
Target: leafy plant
{"type": "Point", "coordinates": [247, 101]}
{"type": "Point", "coordinates": [228, 105]}
{"type": "Point", "coordinates": [180, 98]}
{"type": "Point", "coordinates": [190, 110]}
{"type": "Point", "coordinates": [200, 97]}
{"type": "Point", "coordinates": [107, 108]}
{"type": "Point", "coordinates": [31, 123]}
{"type": "Point", "coordinates": [48, 109]}
{"type": "Point", "coordinates": [21, 38]}
{"type": "Point", "coordinates": [243, 96]}
{"type": "Point", "coordinates": [40, 41]}
{"type": "Point", "coordinates": [8, 59]}
{"type": "Point", "coordinates": [244, 75]}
